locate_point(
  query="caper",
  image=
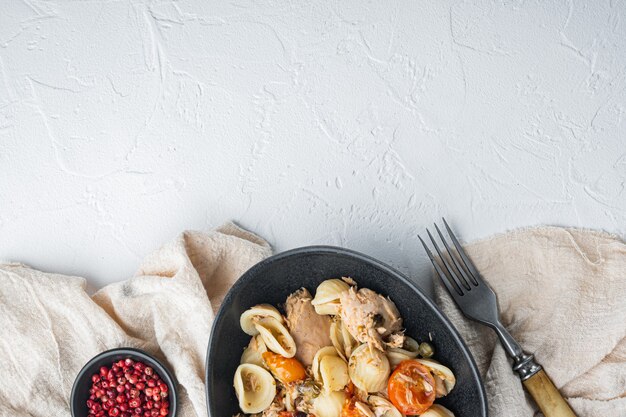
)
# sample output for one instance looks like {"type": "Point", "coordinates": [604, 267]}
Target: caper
{"type": "Point", "coordinates": [426, 350]}
{"type": "Point", "coordinates": [378, 320]}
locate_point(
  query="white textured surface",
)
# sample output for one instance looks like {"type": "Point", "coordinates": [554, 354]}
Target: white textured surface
{"type": "Point", "coordinates": [353, 123]}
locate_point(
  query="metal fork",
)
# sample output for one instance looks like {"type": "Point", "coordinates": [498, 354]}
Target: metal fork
{"type": "Point", "coordinates": [478, 302]}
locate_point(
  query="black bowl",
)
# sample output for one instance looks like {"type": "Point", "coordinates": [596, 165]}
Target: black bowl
{"type": "Point", "coordinates": [82, 383]}
{"type": "Point", "coordinates": [272, 280]}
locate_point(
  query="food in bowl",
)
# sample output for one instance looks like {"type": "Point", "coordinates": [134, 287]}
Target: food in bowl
{"type": "Point", "coordinates": [340, 353]}
{"type": "Point", "coordinates": [128, 388]}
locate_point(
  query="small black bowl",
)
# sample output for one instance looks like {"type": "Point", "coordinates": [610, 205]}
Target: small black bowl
{"type": "Point", "coordinates": [272, 280]}
{"type": "Point", "coordinates": [82, 383]}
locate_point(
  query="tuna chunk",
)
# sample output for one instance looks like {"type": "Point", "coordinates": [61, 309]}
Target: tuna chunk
{"type": "Point", "coordinates": [371, 318]}
{"type": "Point", "coordinates": [309, 330]}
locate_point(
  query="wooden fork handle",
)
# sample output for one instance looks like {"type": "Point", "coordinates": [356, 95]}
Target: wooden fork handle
{"type": "Point", "coordinates": [547, 397]}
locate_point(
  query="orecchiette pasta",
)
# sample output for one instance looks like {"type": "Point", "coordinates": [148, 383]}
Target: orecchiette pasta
{"type": "Point", "coordinates": [444, 378]}
{"type": "Point", "coordinates": [326, 300]}
{"type": "Point", "coordinates": [334, 373]}
{"type": "Point", "coordinates": [289, 400]}
{"type": "Point", "coordinates": [364, 409]}
{"type": "Point", "coordinates": [368, 368]}
{"type": "Point", "coordinates": [382, 407]}
{"type": "Point", "coordinates": [329, 369]}
{"type": "Point", "coordinates": [407, 351]}
{"type": "Point", "coordinates": [437, 410]}
{"type": "Point", "coordinates": [253, 353]}
{"type": "Point", "coordinates": [329, 404]}
{"type": "Point", "coordinates": [255, 388]}
{"type": "Point", "coordinates": [251, 315]}
{"type": "Point", "coordinates": [276, 336]}
{"type": "Point", "coordinates": [342, 339]}
{"type": "Point", "coordinates": [319, 355]}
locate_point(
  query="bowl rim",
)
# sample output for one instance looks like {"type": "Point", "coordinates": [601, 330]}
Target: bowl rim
{"type": "Point", "coordinates": [163, 371]}
{"type": "Point", "coordinates": [329, 249]}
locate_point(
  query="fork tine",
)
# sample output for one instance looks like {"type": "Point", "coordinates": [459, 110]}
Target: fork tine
{"type": "Point", "coordinates": [442, 275]}
{"type": "Point", "coordinates": [454, 278]}
{"type": "Point", "coordinates": [461, 272]}
{"type": "Point", "coordinates": [473, 273]}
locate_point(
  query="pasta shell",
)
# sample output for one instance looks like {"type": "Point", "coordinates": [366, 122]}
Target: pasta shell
{"type": "Point", "coordinates": [290, 397]}
{"type": "Point", "coordinates": [368, 369]}
{"type": "Point", "coordinates": [444, 378]}
{"type": "Point", "coordinates": [407, 351]}
{"type": "Point", "coordinates": [255, 388]}
{"type": "Point", "coordinates": [342, 339]}
{"type": "Point", "coordinates": [437, 410]}
{"type": "Point", "coordinates": [254, 352]}
{"type": "Point", "coordinates": [276, 337]}
{"type": "Point", "coordinates": [349, 343]}
{"type": "Point", "coordinates": [364, 409]}
{"type": "Point", "coordinates": [334, 373]}
{"type": "Point", "coordinates": [319, 355]}
{"type": "Point", "coordinates": [332, 308]}
{"type": "Point", "coordinates": [335, 336]}
{"type": "Point", "coordinates": [329, 404]}
{"type": "Point", "coordinates": [326, 301]}
{"type": "Point", "coordinates": [397, 355]}
{"type": "Point", "coordinates": [329, 290]}
{"type": "Point", "coordinates": [251, 315]}
{"type": "Point", "coordinates": [382, 407]}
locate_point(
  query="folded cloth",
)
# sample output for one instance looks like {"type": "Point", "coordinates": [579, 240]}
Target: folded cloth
{"type": "Point", "coordinates": [51, 327]}
{"type": "Point", "coordinates": [562, 295]}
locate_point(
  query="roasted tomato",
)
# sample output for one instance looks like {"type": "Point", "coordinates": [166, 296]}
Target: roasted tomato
{"type": "Point", "coordinates": [411, 388]}
{"type": "Point", "coordinates": [285, 369]}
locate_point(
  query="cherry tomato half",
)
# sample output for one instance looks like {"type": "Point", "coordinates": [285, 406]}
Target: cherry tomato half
{"type": "Point", "coordinates": [285, 369]}
{"type": "Point", "coordinates": [411, 388]}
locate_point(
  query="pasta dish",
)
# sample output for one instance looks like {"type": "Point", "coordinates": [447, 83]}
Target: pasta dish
{"type": "Point", "coordinates": [340, 353]}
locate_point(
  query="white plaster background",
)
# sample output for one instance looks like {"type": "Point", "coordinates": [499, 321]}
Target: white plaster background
{"type": "Point", "coordinates": [349, 123]}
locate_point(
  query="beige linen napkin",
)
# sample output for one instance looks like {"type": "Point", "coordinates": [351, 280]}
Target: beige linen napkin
{"type": "Point", "coordinates": [51, 327]}
{"type": "Point", "coordinates": [562, 294]}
